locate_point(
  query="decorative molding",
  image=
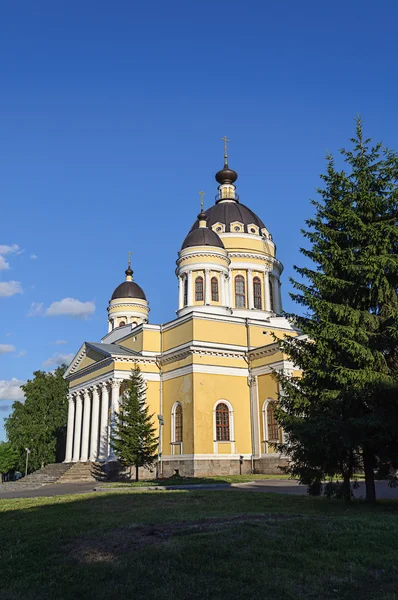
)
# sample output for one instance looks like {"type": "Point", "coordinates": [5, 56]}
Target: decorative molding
{"type": "Point", "coordinates": [206, 370]}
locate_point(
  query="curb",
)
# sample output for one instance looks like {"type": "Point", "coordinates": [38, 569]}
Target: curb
{"type": "Point", "coordinates": [149, 488]}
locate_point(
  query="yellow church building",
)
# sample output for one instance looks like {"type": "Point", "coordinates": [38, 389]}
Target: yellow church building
{"type": "Point", "coordinates": [210, 372]}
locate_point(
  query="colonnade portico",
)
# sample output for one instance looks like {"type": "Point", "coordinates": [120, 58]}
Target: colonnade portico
{"type": "Point", "coordinates": [90, 415]}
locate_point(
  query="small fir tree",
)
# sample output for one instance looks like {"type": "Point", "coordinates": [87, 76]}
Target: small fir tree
{"type": "Point", "coordinates": [133, 437]}
{"type": "Point", "coordinates": [343, 411]}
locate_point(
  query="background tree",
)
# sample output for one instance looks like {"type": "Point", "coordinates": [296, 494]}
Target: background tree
{"type": "Point", "coordinates": [345, 407]}
{"type": "Point", "coordinates": [133, 437]}
{"type": "Point", "coordinates": [39, 423]}
{"type": "Point", "coordinates": [8, 459]}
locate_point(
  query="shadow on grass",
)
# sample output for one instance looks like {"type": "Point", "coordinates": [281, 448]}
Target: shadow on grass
{"type": "Point", "coordinates": [196, 544]}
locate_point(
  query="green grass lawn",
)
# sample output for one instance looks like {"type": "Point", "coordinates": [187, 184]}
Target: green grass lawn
{"type": "Point", "coordinates": [197, 544]}
{"type": "Point", "coordinates": [178, 480]}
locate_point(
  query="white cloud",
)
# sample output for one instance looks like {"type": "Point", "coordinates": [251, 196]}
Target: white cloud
{"type": "Point", "coordinates": [58, 360]}
{"type": "Point", "coordinates": [60, 342]}
{"type": "Point", "coordinates": [20, 353]}
{"type": "Point", "coordinates": [5, 348]}
{"type": "Point", "coordinates": [36, 309]}
{"type": "Point", "coordinates": [33, 257]}
{"type": "Point", "coordinates": [71, 307]}
{"type": "Point", "coordinates": [11, 390]}
{"type": "Point", "coordinates": [5, 249]}
{"type": "Point", "coordinates": [3, 264]}
{"type": "Point", "coordinates": [9, 288]}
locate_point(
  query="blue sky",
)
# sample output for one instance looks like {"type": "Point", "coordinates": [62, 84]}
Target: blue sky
{"type": "Point", "coordinates": [111, 116]}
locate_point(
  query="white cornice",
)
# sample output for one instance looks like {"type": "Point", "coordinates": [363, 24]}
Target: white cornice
{"type": "Point", "coordinates": [206, 370]}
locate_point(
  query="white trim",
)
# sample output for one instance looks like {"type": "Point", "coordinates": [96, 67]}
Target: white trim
{"type": "Point", "coordinates": [173, 428]}
{"type": "Point", "coordinates": [231, 427]}
{"type": "Point", "coordinates": [207, 370]}
{"type": "Point", "coordinates": [206, 456]}
{"type": "Point", "coordinates": [271, 368]}
{"type": "Point", "coordinates": [265, 424]}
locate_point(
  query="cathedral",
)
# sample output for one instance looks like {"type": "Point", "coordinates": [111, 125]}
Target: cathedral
{"type": "Point", "coordinates": [209, 372]}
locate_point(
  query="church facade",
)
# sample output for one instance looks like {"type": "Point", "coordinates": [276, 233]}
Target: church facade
{"type": "Point", "coordinates": [210, 372]}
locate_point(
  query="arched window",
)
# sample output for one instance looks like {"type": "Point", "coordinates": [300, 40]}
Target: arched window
{"type": "Point", "coordinates": [214, 289]}
{"type": "Point", "coordinates": [185, 291]}
{"type": "Point", "coordinates": [272, 433]}
{"type": "Point", "coordinates": [199, 289]}
{"type": "Point", "coordinates": [178, 424]}
{"type": "Point", "coordinates": [122, 323]}
{"type": "Point", "coordinates": [257, 293]}
{"type": "Point", "coordinates": [271, 293]}
{"type": "Point", "coordinates": [222, 423]}
{"type": "Point", "coordinates": [240, 294]}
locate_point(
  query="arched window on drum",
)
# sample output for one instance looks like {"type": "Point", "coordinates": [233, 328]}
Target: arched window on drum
{"type": "Point", "coordinates": [240, 292]}
{"type": "Point", "coordinates": [257, 296]}
{"type": "Point", "coordinates": [199, 289]}
{"type": "Point", "coordinates": [214, 289]}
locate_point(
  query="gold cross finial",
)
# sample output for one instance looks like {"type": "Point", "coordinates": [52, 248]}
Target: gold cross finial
{"type": "Point", "coordinates": [202, 204]}
{"type": "Point", "coordinates": [224, 139]}
{"type": "Point", "coordinates": [129, 258]}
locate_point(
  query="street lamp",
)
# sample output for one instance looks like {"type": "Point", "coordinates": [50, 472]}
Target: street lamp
{"type": "Point", "coordinates": [161, 423]}
{"type": "Point", "coordinates": [27, 459]}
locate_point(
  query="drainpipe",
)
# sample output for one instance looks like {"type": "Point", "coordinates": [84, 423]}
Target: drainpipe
{"type": "Point", "coordinates": [249, 383]}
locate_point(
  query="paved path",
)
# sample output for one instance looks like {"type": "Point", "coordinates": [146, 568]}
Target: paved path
{"type": "Point", "coordinates": [277, 486]}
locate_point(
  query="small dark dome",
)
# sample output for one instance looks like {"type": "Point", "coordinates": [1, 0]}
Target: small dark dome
{"type": "Point", "coordinates": [226, 175]}
{"type": "Point", "coordinates": [202, 236]}
{"type": "Point", "coordinates": [227, 213]}
{"type": "Point", "coordinates": [128, 289]}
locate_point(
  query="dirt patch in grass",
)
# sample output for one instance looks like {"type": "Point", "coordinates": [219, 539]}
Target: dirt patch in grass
{"type": "Point", "coordinates": [105, 548]}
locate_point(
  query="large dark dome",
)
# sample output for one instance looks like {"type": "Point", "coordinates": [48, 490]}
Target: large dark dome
{"type": "Point", "coordinates": [228, 212]}
{"type": "Point", "coordinates": [202, 236]}
{"type": "Point", "coordinates": [128, 289]}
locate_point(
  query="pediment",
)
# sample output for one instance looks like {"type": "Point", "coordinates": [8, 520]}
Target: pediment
{"type": "Point", "coordinates": [91, 353]}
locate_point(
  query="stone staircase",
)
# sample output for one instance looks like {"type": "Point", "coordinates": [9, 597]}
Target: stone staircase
{"type": "Point", "coordinates": [82, 472]}
{"type": "Point", "coordinates": [49, 474]}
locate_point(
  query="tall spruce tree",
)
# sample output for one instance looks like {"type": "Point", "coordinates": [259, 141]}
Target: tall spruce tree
{"type": "Point", "coordinates": [133, 437]}
{"type": "Point", "coordinates": [343, 411]}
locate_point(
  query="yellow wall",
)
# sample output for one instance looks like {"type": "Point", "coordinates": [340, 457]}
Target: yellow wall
{"type": "Point", "coordinates": [267, 388]}
{"type": "Point", "coordinates": [178, 389]}
{"type": "Point", "coordinates": [178, 335]}
{"type": "Point", "coordinates": [208, 389]}
{"type": "Point", "coordinates": [221, 332]}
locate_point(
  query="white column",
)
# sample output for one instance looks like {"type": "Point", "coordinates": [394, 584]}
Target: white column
{"type": "Point", "coordinates": [103, 443]}
{"type": "Point", "coordinates": [69, 431]}
{"type": "Point", "coordinates": [275, 289]}
{"type": "Point", "coordinates": [190, 289]}
{"type": "Point", "coordinates": [255, 416]}
{"type": "Point", "coordinates": [115, 398]}
{"type": "Point", "coordinates": [230, 291]}
{"type": "Point", "coordinates": [86, 427]}
{"type": "Point", "coordinates": [267, 300]}
{"type": "Point", "coordinates": [207, 286]}
{"type": "Point", "coordinates": [250, 288]}
{"type": "Point", "coordinates": [180, 292]}
{"type": "Point", "coordinates": [222, 289]}
{"type": "Point", "coordinates": [78, 428]}
{"type": "Point", "coordinates": [280, 295]}
{"type": "Point", "coordinates": [115, 395]}
{"type": "Point", "coordinates": [94, 425]}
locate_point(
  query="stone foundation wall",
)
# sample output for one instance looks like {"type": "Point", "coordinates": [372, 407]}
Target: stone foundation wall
{"type": "Point", "coordinates": [189, 467]}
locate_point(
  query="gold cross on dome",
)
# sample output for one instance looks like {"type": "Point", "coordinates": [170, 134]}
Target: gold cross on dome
{"type": "Point", "coordinates": [129, 258]}
{"type": "Point", "coordinates": [224, 139]}
{"type": "Point", "coordinates": [202, 204]}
